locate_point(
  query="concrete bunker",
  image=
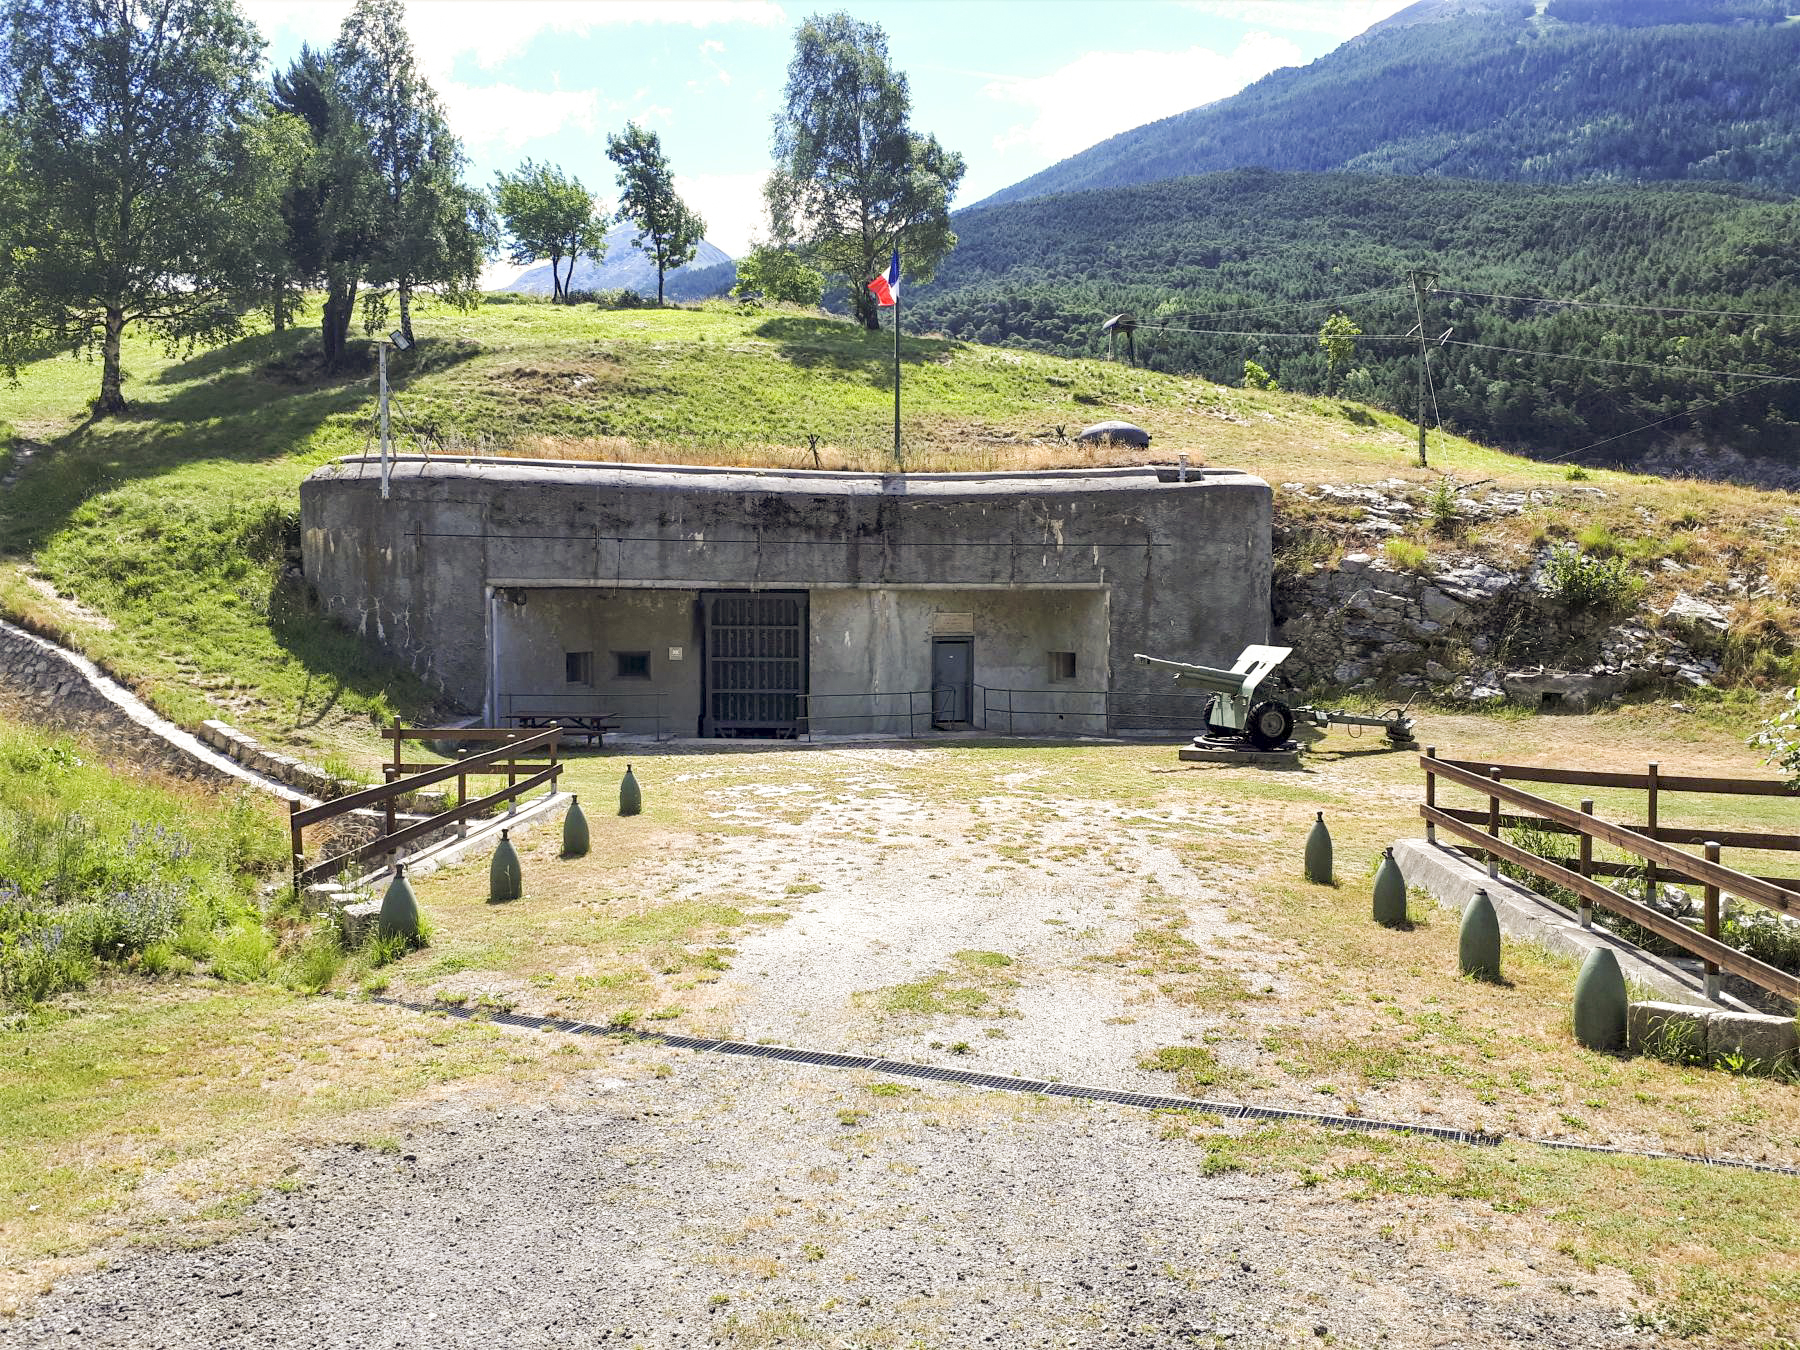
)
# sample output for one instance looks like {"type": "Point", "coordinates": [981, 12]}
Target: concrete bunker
{"type": "Point", "coordinates": [679, 601]}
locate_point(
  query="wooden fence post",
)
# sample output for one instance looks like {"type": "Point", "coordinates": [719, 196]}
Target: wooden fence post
{"type": "Point", "coordinates": [1586, 866]}
{"type": "Point", "coordinates": [1430, 794]}
{"type": "Point", "coordinates": [296, 849]}
{"type": "Point", "coordinates": [1650, 877]}
{"type": "Point", "coordinates": [1493, 827]}
{"type": "Point", "coordinates": [1712, 923]}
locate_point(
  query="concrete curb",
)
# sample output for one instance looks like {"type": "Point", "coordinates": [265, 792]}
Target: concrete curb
{"type": "Point", "coordinates": [1452, 879]}
{"type": "Point", "coordinates": [484, 835]}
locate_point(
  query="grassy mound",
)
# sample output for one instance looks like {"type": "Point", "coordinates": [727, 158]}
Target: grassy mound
{"type": "Point", "coordinates": [161, 542]}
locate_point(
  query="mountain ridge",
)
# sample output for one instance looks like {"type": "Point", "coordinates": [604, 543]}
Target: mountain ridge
{"type": "Point", "coordinates": [1538, 98]}
{"type": "Point", "coordinates": [628, 268]}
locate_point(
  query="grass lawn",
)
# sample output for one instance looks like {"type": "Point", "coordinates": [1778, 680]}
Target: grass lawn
{"type": "Point", "coordinates": [156, 542]}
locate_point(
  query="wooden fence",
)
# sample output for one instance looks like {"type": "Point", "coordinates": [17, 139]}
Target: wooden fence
{"type": "Point", "coordinates": [1652, 843]}
{"type": "Point", "coordinates": [512, 755]}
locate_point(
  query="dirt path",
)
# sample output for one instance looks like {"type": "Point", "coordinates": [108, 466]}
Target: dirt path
{"type": "Point", "coordinates": [731, 1204]}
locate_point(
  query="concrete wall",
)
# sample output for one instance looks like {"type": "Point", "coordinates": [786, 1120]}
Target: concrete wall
{"type": "Point", "coordinates": [880, 641]}
{"type": "Point", "coordinates": [1184, 566]}
{"type": "Point", "coordinates": [534, 638]}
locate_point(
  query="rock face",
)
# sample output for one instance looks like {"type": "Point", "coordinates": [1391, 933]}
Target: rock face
{"type": "Point", "coordinates": [1470, 629]}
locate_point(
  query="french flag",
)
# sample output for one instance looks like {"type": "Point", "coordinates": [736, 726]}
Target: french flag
{"type": "Point", "coordinates": [886, 290]}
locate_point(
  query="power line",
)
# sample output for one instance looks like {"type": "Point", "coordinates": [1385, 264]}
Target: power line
{"type": "Point", "coordinates": [1685, 412]}
{"type": "Point", "coordinates": [1297, 304]}
{"type": "Point", "coordinates": [1229, 332]}
{"type": "Point", "coordinates": [1600, 304]}
{"type": "Point", "coordinates": [1640, 365]}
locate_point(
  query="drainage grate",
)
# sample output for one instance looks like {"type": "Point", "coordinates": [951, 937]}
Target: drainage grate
{"type": "Point", "coordinates": [897, 1068]}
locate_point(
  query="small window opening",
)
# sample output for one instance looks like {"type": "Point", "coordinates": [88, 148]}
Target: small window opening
{"type": "Point", "coordinates": [1548, 700]}
{"type": "Point", "coordinates": [632, 665]}
{"type": "Point", "coordinates": [578, 667]}
{"type": "Point", "coordinates": [1062, 665]}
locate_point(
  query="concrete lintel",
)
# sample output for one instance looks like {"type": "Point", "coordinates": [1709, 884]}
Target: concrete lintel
{"type": "Point", "coordinates": [739, 584]}
{"type": "Point", "coordinates": [1452, 879]}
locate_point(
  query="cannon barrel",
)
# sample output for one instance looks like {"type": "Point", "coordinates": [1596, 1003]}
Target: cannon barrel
{"type": "Point", "coordinates": [1219, 681]}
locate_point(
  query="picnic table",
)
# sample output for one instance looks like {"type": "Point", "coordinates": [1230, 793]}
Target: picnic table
{"type": "Point", "coordinates": [594, 726]}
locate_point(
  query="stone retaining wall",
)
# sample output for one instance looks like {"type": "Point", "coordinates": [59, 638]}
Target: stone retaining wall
{"type": "Point", "coordinates": [64, 691]}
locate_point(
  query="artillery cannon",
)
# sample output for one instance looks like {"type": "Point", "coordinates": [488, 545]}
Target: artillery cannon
{"type": "Point", "coordinates": [1235, 712]}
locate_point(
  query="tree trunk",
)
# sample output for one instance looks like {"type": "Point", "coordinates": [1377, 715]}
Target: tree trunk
{"type": "Point", "coordinates": [334, 325]}
{"type": "Point", "coordinates": [280, 309]}
{"type": "Point", "coordinates": [557, 290]}
{"type": "Point", "coordinates": [659, 285]}
{"type": "Point", "coordinates": [405, 289]}
{"type": "Point", "coordinates": [112, 395]}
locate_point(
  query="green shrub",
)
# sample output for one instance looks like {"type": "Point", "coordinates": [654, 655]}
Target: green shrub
{"type": "Point", "coordinates": [1255, 377]}
{"type": "Point", "coordinates": [1407, 554]}
{"type": "Point", "coordinates": [1780, 736]}
{"type": "Point", "coordinates": [243, 953]}
{"type": "Point", "coordinates": [1764, 936]}
{"type": "Point", "coordinates": [1575, 474]}
{"type": "Point", "coordinates": [1444, 507]}
{"type": "Point", "coordinates": [97, 867]}
{"type": "Point", "coordinates": [1598, 541]}
{"type": "Point", "coordinates": [1584, 582]}
{"type": "Point", "coordinates": [313, 965]}
{"type": "Point", "coordinates": [618, 299]}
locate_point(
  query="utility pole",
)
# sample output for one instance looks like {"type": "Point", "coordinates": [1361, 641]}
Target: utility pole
{"type": "Point", "coordinates": [1421, 278]}
{"type": "Point", "coordinates": [382, 348]}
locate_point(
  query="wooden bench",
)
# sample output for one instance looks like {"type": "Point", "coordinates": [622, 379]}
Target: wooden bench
{"type": "Point", "coordinates": [594, 726]}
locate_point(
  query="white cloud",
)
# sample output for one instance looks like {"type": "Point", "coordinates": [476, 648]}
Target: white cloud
{"type": "Point", "coordinates": [492, 31]}
{"type": "Point", "coordinates": [1100, 94]}
{"type": "Point", "coordinates": [505, 117]}
{"type": "Point", "coordinates": [1338, 18]}
{"type": "Point", "coordinates": [730, 203]}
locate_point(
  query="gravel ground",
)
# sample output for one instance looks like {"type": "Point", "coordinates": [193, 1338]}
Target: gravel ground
{"type": "Point", "coordinates": [731, 1204]}
{"type": "Point", "coordinates": [920, 885]}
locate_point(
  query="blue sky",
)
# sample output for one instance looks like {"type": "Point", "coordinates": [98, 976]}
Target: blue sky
{"type": "Point", "coordinates": [1013, 86]}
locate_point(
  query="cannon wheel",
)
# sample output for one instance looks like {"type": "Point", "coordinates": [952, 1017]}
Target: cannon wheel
{"type": "Point", "coordinates": [1271, 723]}
{"type": "Point", "coordinates": [1216, 728]}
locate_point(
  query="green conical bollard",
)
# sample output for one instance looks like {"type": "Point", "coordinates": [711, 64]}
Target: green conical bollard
{"type": "Point", "coordinates": [631, 798]}
{"type": "Point", "coordinates": [575, 831]}
{"type": "Point", "coordinates": [1478, 947]}
{"type": "Point", "coordinates": [506, 879]}
{"type": "Point", "coordinates": [1601, 1001]}
{"type": "Point", "coordinates": [1318, 853]}
{"type": "Point", "coordinates": [399, 914]}
{"type": "Point", "coordinates": [1390, 893]}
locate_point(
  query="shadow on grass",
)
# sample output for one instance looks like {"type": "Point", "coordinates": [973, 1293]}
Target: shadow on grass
{"type": "Point", "coordinates": [149, 547]}
{"type": "Point", "coordinates": [816, 343]}
{"type": "Point", "coordinates": [338, 661]}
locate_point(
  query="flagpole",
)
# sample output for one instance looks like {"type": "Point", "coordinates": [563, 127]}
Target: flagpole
{"type": "Point", "coordinates": [899, 464]}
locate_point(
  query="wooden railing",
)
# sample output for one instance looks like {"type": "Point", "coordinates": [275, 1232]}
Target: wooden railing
{"type": "Point", "coordinates": [511, 756]}
{"type": "Point", "coordinates": [1652, 843]}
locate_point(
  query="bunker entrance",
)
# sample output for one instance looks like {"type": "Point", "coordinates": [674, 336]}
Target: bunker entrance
{"type": "Point", "coordinates": [755, 662]}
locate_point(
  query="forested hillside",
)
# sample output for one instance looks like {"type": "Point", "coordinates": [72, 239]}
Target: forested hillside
{"type": "Point", "coordinates": [1589, 90]}
{"type": "Point", "coordinates": [1259, 252]}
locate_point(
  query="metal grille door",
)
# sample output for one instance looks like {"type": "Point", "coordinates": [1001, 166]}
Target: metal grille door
{"type": "Point", "coordinates": [755, 662]}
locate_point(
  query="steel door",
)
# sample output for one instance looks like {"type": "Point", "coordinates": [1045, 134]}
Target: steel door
{"type": "Point", "coordinates": [952, 672]}
{"type": "Point", "coordinates": [755, 662]}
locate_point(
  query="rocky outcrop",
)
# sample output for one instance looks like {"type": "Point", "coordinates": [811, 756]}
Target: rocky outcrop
{"type": "Point", "coordinates": [1471, 630]}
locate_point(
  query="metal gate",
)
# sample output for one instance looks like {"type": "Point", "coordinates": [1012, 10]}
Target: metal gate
{"type": "Point", "coordinates": [755, 662]}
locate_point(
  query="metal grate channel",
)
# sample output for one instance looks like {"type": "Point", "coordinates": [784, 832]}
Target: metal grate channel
{"type": "Point", "coordinates": [1149, 1101]}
